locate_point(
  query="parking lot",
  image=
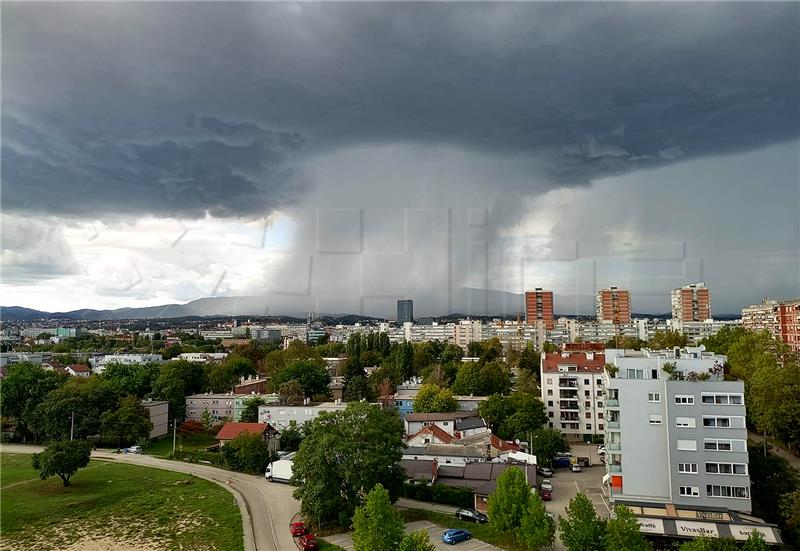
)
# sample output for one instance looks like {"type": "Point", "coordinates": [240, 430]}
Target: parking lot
{"type": "Point", "coordinates": [434, 532]}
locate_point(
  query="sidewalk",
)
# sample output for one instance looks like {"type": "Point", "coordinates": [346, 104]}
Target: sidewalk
{"type": "Point", "coordinates": [793, 460]}
{"type": "Point", "coordinates": [406, 503]}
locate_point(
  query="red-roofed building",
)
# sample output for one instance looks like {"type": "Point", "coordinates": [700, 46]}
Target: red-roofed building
{"type": "Point", "coordinates": [231, 430]}
{"type": "Point", "coordinates": [572, 392]}
{"type": "Point", "coordinates": [78, 370]}
{"type": "Point", "coordinates": [432, 434]}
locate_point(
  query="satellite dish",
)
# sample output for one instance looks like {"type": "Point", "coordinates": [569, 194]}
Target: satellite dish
{"type": "Point", "coordinates": [516, 441]}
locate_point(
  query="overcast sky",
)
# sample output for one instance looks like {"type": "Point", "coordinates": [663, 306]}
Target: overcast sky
{"type": "Point", "coordinates": [345, 155]}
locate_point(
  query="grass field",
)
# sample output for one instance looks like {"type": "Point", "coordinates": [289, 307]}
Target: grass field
{"type": "Point", "coordinates": [130, 506]}
{"type": "Point", "coordinates": [162, 447]}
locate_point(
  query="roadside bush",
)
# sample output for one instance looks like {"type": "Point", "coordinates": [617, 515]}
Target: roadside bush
{"type": "Point", "coordinates": [192, 427]}
{"type": "Point", "coordinates": [439, 493]}
{"type": "Point", "coordinates": [247, 453]}
{"type": "Point", "coordinates": [199, 456]}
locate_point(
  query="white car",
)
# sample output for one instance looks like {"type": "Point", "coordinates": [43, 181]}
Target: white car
{"type": "Point", "coordinates": [134, 449]}
{"type": "Point", "coordinates": [601, 450]}
{"type": "Point", "coordinates": [546, 484]}
{"type": "Point", "coordinates": [576, 468]}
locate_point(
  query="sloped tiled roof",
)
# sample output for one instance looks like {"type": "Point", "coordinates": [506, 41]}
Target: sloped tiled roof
{"type": "Point", "coordinates": [232, 430]}
{"type": "Point", "coordinates": [581, 360]}
{"type": "Point", "coordinates": [433, 430]}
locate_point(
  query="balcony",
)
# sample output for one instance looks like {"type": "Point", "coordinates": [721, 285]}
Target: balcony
{"type": "Point", "coordinates": [568, 383]}
{"type": "Point", "coordinates": [568, 394]}
{"type": "Point", "coordinates": [614, 446]}
{"type": "Point", "coordinates": [615, 468]}
{"type": "Point", "coordinates": [612, 402]}
{"type": "Point", "coordinates": [567, 417]}
{"type": "Point", "coordinates": [564, 405]}
{"type": "Point", "coordinates": [612, 424]}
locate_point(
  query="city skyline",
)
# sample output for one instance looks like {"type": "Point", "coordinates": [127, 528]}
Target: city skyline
{"type": "Point", "coordinates": [341, 157]}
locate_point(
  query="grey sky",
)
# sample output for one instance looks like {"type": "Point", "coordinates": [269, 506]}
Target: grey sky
{"type": "Point", "coordinates": [116, 112]}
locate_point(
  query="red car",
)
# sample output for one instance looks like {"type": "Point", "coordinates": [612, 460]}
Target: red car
{"type": "Point", "coordinates": [297, 528]}
{"type": "Point", "coordinates": [546, 495]}
{"type": "Point", "coordinates": [308, 543]}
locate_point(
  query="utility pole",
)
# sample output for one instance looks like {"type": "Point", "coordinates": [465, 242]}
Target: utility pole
{"type": "Point", "coordinates": [174, 427]}
{"type": "Point", "coordinates": [72, 427]}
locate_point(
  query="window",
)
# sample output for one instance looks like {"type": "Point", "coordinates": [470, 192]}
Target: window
{"type": "Point", "coordinates": [587, 382]}
{"type": "Point", "coordinates": [684, 399]}
{"type": "Point", "coordinates": [687, 445]}
{"type": "Point", "coordinates": [723, 422]}
{"type": "Point", "coordinates": [634, 374]}
{"type": "Point", "coordinates": [599, 393]}
{"type": "Point", "coordinates": [655, 419]}
{"type": "Point", "coordinates": [549, 380]}
{"type": "Point", "coordinates": [588, 426]}
{"type": "Point", "coordinates": [722, 399]}
{"type": "Point", "coordinates": [588, 415]}
{"type": "Point", "coordinates": [685, 422]}
{"type": "Point", "coordinates": [726, 468]}
{"type": "Point", "coordinates": [689, 491]}
{"type": "Point", "coordinates": [549, 391]}
{"type": "Point", "coordinates": [687, 468]}
{"type": "Point", "coordinates": [549, 413]}
{"type": "Point", "coordinates": [550, 403]}
{"type": "Point", "coordinates": [600, 426]}
{"type": "Point", "coordinates": [741, 492]}
{"type": "Point", "coordinates": [600, 415]}
{"type": "Point", "coordinates": [446, 423]}
{"type": "Point", "coordinates": [653, 397]}
{"type": "Point", "coordinates": [587, 404]}
{"type": "Point", "coordinates": [587, 393]}
{"type": "Point", "coordinates": [724, 445]}
{"type": "Point", "coordinates": [654, 373]}
{"type": "Point", "coordinates": [599, 404]}
{"type": "Point", "coordinates": [599, 382]}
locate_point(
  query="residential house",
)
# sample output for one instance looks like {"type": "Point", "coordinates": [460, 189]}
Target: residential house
{"type": "Point", "coordinates": [78, 370]}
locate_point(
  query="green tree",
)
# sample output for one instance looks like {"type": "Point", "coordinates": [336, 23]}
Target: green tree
{"type": "Point", "coordinates": [549, 348]}
{"type": "Point", "coordinates": [433, 399]}
{"type": "Point", "coordinates": [313, 378]}
{"type": "Point", "coordinates": [664, 340]}
{"type": "Point", "coordinates": [416, 541]}
{"type": "Point", "coordinates": [206, 420]}
{"type": "Point", "coordinates": [721, 342]}
{"type": "Point", "coordinates": [513, 416]}
{"type": "Point", "coordinates": [468, 380]}
{"type": "Point", "coordinates": [291, 393]}
{"type": "Point", "coordinates": [355, 389]}
{"type": "Point", "coordinates": [376, 525]}
{"type": "Point", "coordinates": [451, 353]}
{"type": "Point", "coordinates": [755, 542]}
{"type": "Point", "coordinates": [247, 453]}
{"type": "Point", "coordinates": [85, 398]}
{"type": "Point", "coordinates": [536, 529]}
{"type": "Point", "coordinates": [529, 359]}
{"type": "Point", "coordinates": [128, 422]}
{"type": "Point", "coordinates": [350, 450]}
{"type": "Point", "coordinates": [546, 443]}
{"type": "Point", "coordinates": [527, 383]}
{"type": "Point", "coordinates": [495, 378]}
{"type": "Point", "coordinates": [62, 459]}
{"type": "Point", "coordinates": [176, 380]}
{"type": "Point", "coordinates": [24, 387]}
{"type": "Point", "coordinates": [509, 501]}
{"type": "Point", "coordinates": [773, 400]}
{"type": "Point", "coordinates": [622, 531]}
{"type": "Point", "coordinates": [250, 409]}
{"type": "Point", "coordinates": [136, 379]}
{"type": "Point", "coordinates": [581, 529]}
{"type": "Point", "coordinates": [709, 544]}
{"type": "Point", "coordinates": [291, 438]}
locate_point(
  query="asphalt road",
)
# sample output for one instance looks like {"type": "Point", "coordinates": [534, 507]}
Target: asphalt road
{"type": "Point", "coordinates": [266, 508]}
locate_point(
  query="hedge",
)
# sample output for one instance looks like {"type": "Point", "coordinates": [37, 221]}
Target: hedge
{"type": "Point", "coordinates": [439, 493]}
{"type": "Point", "coordinates": [199, 456]}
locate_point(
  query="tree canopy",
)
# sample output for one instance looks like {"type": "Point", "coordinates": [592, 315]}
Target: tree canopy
{"type": "Point", "coordinates": [351, 450]}
{"type": "Point", "coordinates": [509, 501]}
{"type": "Point", "coordinates": [376, 525]}
{"type": "Point", "coordinates": [581, 529]}
{"type": "Point", "coordinates": [129, 422]}
{"type": "Point", "coordinates": [62, 459]}
{"type": "Point", "coordinates": [434, 399]}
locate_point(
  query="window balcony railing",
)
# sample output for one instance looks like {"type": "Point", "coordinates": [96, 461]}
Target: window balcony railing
{"type": "Point", "coordinates": [615, 468]}
{"type": "Point", "coordinates": [573, 406]}
{"type": "Point", "coordinates": [614, 446]}
{"type": "Point", "coordinates": [568, 383]}
{"type": "Point", "coordinates": [612, 424]}
{"type": "Point", "coordinates": [612, 402]}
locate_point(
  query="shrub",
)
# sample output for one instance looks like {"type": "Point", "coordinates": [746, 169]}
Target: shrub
{"type": "Point", "coordinates": [438, 493]}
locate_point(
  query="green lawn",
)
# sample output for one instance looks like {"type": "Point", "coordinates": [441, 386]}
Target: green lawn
{"type": "Point", "coordinates": [325, 546]}
{"type": "Point", "coordinates": [163, 446]}
{"type": "Point", "coordinates": [116, 501]}
{"type": "Point", "coordinates": [484, 532]}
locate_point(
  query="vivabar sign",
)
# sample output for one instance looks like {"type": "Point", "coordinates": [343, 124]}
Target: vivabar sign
{"type": "Point", "coordinates": [651, 525]}
{"type": "Point", "coordinates": [742, 532]}
{"type": "Point", "coordinates": [696, 529]}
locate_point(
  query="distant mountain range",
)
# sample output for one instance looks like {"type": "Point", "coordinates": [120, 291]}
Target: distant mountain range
{"type": "Point", "coordinates": [477, 303]}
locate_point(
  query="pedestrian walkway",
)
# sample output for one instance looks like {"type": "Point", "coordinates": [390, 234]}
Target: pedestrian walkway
{"type": "Point", "coordinates": [793, 460]}
{"type": "Point", "coordinates": [406, 503]}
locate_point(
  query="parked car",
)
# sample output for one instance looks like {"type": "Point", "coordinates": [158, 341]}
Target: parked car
{"type": "Point", "coordinates": [134, 449]}
{"type": "Point", "coordinates": [454, 535]}
{"type": "Point", "coordinates": [601, 449]}
{"type": "Point", "coordinates": [546, 472]}
{"type": "Point", "coordinates": [308, 542]}
{"type": "Point", "coordinates": [576, 468]}
{"type": "Point", "coordinates": [472, 515]}
{"type": "Point", "coordinates": [297, 528]}
{"type": "Point", "coordinates": [547, 495]}
{"type": "Point", "coordinates": [546, 484]}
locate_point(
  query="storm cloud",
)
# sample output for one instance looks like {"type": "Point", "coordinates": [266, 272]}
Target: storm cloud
{"type": "Point", "coordinates": [178, 109]}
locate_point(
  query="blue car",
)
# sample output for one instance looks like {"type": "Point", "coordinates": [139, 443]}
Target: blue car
{"type": "Point", "coordinates": [454, 535]}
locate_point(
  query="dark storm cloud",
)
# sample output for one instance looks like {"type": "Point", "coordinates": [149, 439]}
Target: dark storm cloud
{"type": "Point", "coordinates": [184, 108]}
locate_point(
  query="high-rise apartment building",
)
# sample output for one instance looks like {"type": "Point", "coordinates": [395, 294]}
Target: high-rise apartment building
{"type": "Point", "coordinates": [539, 307]}
{"type": "Point", "coordinates": [572, 391]}
{"type": "Point", "coordinates": [405, 311]}
{"type": "Point", "coordinates": [675, 430]}
{"type": "Point", "coordinates": [613, 306]}
{"type": "Point", "coordinates": [691, 303]}
{"type": "Point", "coordinates": [779, 317]}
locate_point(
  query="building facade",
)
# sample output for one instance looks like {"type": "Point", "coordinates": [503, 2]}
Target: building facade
{"type": "Point", "coordinates": [613, 305]}
{"type": "Point", "coordinates": [159, 416]}
{"type": "Point", "coordinates": [405, 311]}
{"type": "Point", "coordinates": [539, 307]}
{"type": "Point", "coordinates": [675, 430]}
{"type": "Point", "coordinates": [572, 391]}
{"type": "Point", "coordinates": [779, 317]}
{"type": "Point", "coordinates": [282, 417]}
{"type": "Point", "coordinates": [691, 303]}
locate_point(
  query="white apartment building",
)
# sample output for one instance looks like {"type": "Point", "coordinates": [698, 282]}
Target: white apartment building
{"type": "Point", "coordinates": [467, 331]}
{"type": "Point", "coordinates": [675, 438]}
{"type": "Point", "coordinates": [203, 357]}
{"type": "Point", "coordinates": [572, 392]}
{"type": "Point", "coordinates": [100, 362]}
{"type": "Point", "coordinates": [696, 331]}
{"type": "Point", "coordinates": [281, 417]}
